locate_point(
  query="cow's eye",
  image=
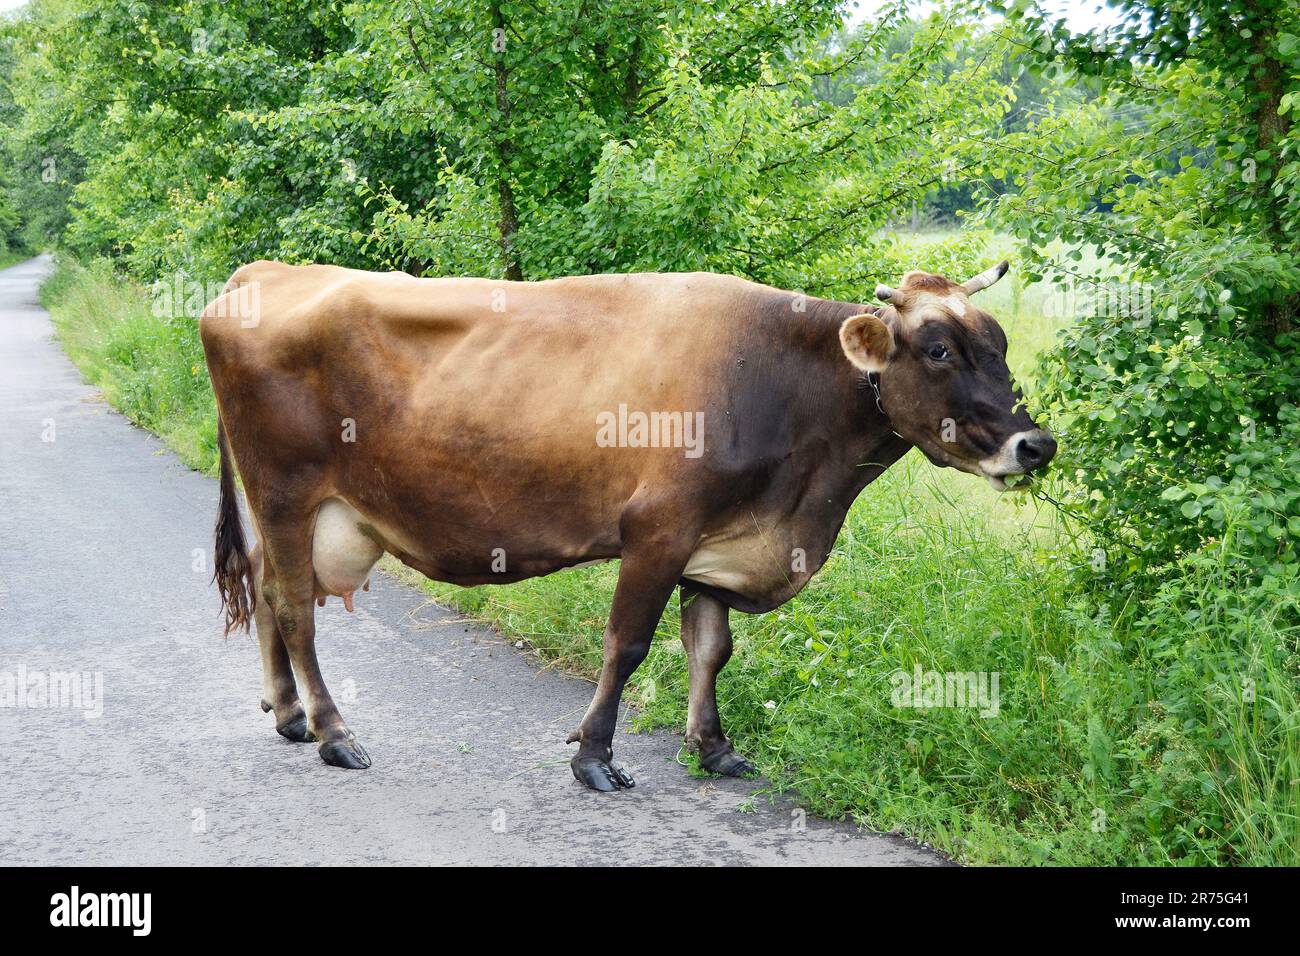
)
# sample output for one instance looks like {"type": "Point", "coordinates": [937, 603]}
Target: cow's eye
{"type": "Point", "coordinates": [938, 352]}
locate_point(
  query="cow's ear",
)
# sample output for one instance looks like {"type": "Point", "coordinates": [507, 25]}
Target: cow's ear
{"type": "Point", "coordinates": [867, 341]}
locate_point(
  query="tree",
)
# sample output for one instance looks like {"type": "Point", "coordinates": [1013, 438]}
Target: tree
{"type": "Point", "coordinates": [513, 138]}
{"type": "Point", "coordinates": [1178, 385]}
{"type": "Point", "coordinates": [11, 221]}
{"type": "Point", "coordinates": [699, 142]}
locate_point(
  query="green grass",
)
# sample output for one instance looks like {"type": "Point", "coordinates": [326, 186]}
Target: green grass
{"type": "Point", "coordinates": [1163, 732]}
{"type": "Point", "coordinates": [1116, 742]}
{"type": "Point", "coordinates": [149, 367]}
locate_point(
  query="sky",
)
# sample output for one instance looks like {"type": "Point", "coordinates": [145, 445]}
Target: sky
{"type": "Point", "coordinates": [1080, 14]}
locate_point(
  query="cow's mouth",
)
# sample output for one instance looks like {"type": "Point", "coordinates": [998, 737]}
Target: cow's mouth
{"type": "Point", "coordinates": [943, 458]}
{"type": "Point", "coordinates": [1012, 481]}
{"type": "Point", "coordinates": [1004, 470]}
{"type": "Point", "coordinates": [1012, 466]}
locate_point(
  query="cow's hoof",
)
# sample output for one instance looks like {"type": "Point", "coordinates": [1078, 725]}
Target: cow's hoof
{"type": "Point", "coordinates": [728, 763]}
{"type": "Point", "coordinates": [348, 754]}
{"type": "Point", "coordinates": [296, 730]}
{"type": "Point", "coordinates": [602, 776]}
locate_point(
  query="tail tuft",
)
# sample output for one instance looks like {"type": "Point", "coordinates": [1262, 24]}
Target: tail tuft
{"type": "Point", "coordinates": [234, 572]}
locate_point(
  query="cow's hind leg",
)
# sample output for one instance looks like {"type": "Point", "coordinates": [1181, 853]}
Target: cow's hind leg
{"type": "Point", "coordinates": [707, 638]}
{"type": "Point", "coordinates": [646, 579]}
{"type": "Point", "coordinates": [279, 690]}
{"type": "Point", "coordinates": [290, 592]}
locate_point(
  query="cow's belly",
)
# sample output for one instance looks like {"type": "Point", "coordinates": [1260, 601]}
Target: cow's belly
{"type": "Point", "coordinates": [761, 566]}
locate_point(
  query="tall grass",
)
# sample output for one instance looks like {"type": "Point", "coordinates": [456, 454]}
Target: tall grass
{"type": "Point", "coordinates": [1159, 732]}
{"type": "Point", "coordinates": [149, 367]}
{"type": "Point", "coordinates": [1120, 739]}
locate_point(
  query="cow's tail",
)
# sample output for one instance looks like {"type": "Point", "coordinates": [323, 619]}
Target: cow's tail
{"type": "Point", "coordinates": [234, 572]}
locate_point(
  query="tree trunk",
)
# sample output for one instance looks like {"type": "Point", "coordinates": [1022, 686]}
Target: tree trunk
{"type": "Point", "coordinates": [508, 224]}
{"type": "Point", "coordinates": [631, 78]}
{"type": "Point", "coordinates": [1271, 127]}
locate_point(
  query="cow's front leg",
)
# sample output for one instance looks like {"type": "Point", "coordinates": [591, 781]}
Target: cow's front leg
{"type": "Point", "coordinates": [707, 638]}
{"type": "Point", "coordinates": [645, 583]}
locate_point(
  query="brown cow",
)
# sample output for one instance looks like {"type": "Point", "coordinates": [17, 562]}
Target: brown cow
{"type": "Point", "coordinates": [708, 431]}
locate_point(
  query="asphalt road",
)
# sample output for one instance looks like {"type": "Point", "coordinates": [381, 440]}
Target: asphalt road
{"type": "Point", "coordinates": [100, 527]}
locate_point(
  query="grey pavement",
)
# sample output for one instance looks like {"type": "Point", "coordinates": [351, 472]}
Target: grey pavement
{"type": "Point", "coordinates": [105, 554]}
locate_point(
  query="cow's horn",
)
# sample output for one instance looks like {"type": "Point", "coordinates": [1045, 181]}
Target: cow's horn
{"type": "Point", "coordinates": [985, 279]}
{"type": "Point", "coordinates": [884, 293]}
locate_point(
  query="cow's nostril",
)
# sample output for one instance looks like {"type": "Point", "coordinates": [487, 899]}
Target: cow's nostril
{"type": "Point", "coordinates": [1035, 449]}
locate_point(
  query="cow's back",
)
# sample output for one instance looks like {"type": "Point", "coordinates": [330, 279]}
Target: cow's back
{"type": "Point", "coordinates": [627, 314]}
{"type": "Point", "coordinates": [542, 357]}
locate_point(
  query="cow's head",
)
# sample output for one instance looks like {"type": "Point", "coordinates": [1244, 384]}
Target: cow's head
{"type": "Point", "coordinates": [940, 365]}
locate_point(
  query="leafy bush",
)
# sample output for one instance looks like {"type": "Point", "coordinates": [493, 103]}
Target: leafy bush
{"type": "Point", "coordinates": [1180, 437]}
{"type": "Point", "coordinates": [1176, 388]}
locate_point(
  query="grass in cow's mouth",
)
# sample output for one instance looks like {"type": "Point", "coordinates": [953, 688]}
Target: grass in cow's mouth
{"type": "Point", "coordinates": [1120, 737]}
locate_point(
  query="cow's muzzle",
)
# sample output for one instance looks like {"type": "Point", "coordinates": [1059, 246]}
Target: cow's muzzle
{"type": "Point", "coordinates": [1035, 449]}
{"type": "Point", "coordinates": [1022, 454]}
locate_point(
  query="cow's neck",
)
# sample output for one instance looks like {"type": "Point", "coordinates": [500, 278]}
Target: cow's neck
{"type": "Point", "coordinates": [868, 454]}
{"type": "Point", "coordinates": [862, 428]}
{"type": "Point", "coordinates": [849, 442]}
{"type": "Point", "coordinates": [793, 383]}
